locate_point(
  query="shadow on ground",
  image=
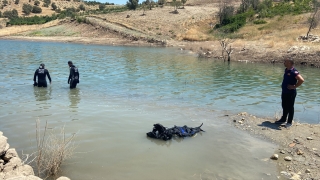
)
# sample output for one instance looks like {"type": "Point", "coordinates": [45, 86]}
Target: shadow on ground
{"type": "Point", "coordinates": [270, 125]}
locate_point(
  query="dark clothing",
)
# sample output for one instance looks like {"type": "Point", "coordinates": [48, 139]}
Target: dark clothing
{"type": "Point", "coordinates": [41, 73]}
{"type": "Point", "coordinates": [73, 77]}
{"type": "Point", "coordinates": [288, 96]}
{"type": "Point", "coordinates": [288, 106]}
{"type": "Point", "coordinates": [289, 78]}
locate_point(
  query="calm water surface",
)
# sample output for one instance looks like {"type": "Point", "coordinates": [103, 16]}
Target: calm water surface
{"type": "Point", "coordinates": [123, 91]}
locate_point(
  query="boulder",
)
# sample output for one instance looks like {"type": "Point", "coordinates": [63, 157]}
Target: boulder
{"type": "Point", "coordinates": [3, 144]}
{"type": "Point", "coordinates": [10, 154]}
{"type": "Point", "coordinates": [275, 157]}
{"type": "Point", "coordinates": [32, 177]}
{"type": "Point", "coordinates": [63, 178]}
{"type": "Point", "coordinates": [14, 163]}
{"type": "Point", "coordinates": [26, 170]}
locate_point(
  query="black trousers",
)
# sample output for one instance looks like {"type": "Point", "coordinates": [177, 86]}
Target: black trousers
{"type": "Point", "coordinates": [73, 84]}
{"type": "Point", "coordinates": [42, 83]}
{"type": "Point", "coordinates": [288, 106]}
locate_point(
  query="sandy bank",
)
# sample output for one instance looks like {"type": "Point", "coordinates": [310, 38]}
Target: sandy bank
{"type": "Point", "coordinates": [300, 143]}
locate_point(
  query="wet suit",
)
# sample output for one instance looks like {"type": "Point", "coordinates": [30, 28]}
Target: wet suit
{"type": "Point", "coordinates": [74, 76]}
{"type": "Point", "coordinates": [41, 73]}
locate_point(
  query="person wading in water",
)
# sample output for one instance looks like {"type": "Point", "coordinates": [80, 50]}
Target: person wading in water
{"type": "Point", "coordinates": [41, 73]}
{"type": "Point", "coordinates": [74, 76]}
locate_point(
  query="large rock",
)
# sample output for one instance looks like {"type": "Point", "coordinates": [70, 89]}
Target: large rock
{"type": "Point", "coordinates": [3, 144]}
{"type": "Point", "coordinates": [31, 177]}
{"type": "Point", "coordinates": [12, 164]}
{"type": "Point", "coordinates": [26, 170]}
{"type": "Point", "coordinates": [10, 154]}
{"type": "Point", "coordinates": [63, 178]}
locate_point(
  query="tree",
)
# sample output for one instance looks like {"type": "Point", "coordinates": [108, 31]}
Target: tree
{"type": "Point", "coordinates": [11, 14]}
{"type": "Point", "coordinates": [36, 3]}
{"type": "Point", "coordinates": [149, 3]}
{"type": "Point", "coordinates": [102, 7]}
{"type": "Point", "coordinates": [46, 3]}
{"type": "Point", "coordinates": [54, 6]}
{"type": "Point", "coordinates": [36, 9]}
{"type": "Point", "coordinates": [132, 4]}
{"type": "Point", "coordinates": [161, 2]}
{"type": "Point", "coordinates": [225, 11]}
{"type": "Point", "coordinates": [5, 2]}
{"type": "Point", "coordinates": [16, 1]}
{"type": "Point", "coordinates": [82, 8]}
{"type": "Point", "coordinates": [26, 9]}
{"type": "Point", "coordinates": [314, 20]}
{"type": "Point", "coordinates": [183, 2]}
{"type": "Point", "coordinates": [224, 44]}
{"type": "Point", "coordinates": [0, 14]}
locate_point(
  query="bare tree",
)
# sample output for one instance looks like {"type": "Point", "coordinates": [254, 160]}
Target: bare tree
{"type": "Point", "coordinates": [224, 44]}
{"type": "Point", "coordinates": [314, 18]}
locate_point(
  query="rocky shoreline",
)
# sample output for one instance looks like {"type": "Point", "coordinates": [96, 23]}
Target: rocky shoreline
{"type": "Point", "coordinates": [298, 156]}
{"type": "Point", "coordinates": [12, 167]}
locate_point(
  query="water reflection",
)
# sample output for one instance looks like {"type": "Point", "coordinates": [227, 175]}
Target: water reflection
{"type": "Point", "coordinates": [74, 97]}
{"type": "Point", "coordinates": [42, 94]}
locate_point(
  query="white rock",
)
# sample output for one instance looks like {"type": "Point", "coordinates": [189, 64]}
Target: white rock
{"type": "Point", "coordinates": [282, 152]}
{"type": "Point", "coordinates": [31, 177]}
{"type": "Point", "coordinates": [288, 158]}
{"type": "Point", "coordinates": [63, 178]}
{"type": "Point", "coordinates": [7, 147]}
{"type": "Point", "coordinates": [26, 170]}
{"type": "Point", "coordinates": [284, 173]}
{"type": "Point", "coordinates": [308, 171]}
{"type": "Point", "coordinates": [275, 157]}
{"type": "Point", "coordinates": [309, 138]}
{"type": "Point", "coordinates": [314, 149]}
{"type": "Point", "coordinates": [10, 154]}
{"type": "Point", "coordinates": [3, 144]}
{"type": "Point", "coordinates": [12, 164]}
{"type": "Point", "coordinates": [295, 177]}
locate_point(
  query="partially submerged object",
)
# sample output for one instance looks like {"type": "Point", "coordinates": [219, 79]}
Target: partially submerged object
{"type": "Point", "coordinates": [161, 132]}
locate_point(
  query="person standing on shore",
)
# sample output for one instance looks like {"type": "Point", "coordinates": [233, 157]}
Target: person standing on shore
{"type": "Point", "coordinates": [41, 73]}
{"type": "Point", "coordinates": [74, 76]}
{"type": "Point", "coordinates": [291, 81]}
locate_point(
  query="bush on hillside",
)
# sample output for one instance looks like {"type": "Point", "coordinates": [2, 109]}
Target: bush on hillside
{"type": "Point", "coordinates": [26, 9]}
{"type": "Point", "coordinates": [32, 20]}
{"type": "Point", "coordinates": [132, 4]}
{"type": "Point", "coordinates": [54, 6]}
{"type": "Point", "coordinates": [82, 8]}
{"type": "Point", "coordinates": [259, 21]}
{"type": "Point", "coordinates": [102, 6]}
{"type": "Point", "coordinates": [46, 3]}
{"type": "Point", "coordinates": [0, 14]}
{"type": "Point", "coordinates": [16, 1]}
{"type": "Point", "coordinates": [4, 2]}
{"type": "Point", "coordinates": [11, 14]}
{"type": "Point", "coordinates": [36, 3]}
{"type": "Point", "coordinates": [36, 9]}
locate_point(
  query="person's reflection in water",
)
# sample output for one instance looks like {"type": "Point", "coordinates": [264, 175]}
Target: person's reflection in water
{"type": "Point", "coordinates": [42, 94]}
{"type": "Point", "coordinates": [74, 97]}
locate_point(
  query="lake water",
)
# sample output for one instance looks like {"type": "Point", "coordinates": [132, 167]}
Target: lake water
{"type": "Point", "coordinates": [123, 91]}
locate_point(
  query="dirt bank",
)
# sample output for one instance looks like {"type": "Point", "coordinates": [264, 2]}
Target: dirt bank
{"type": "Point", "coordinates": [300, 143]}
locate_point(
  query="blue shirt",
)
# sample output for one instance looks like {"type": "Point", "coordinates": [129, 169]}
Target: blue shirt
{"type": "Point", "coordinates": [289, 78]}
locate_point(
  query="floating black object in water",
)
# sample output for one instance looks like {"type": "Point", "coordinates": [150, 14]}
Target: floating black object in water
{"type": "Point", "coordinates": [160, 132]}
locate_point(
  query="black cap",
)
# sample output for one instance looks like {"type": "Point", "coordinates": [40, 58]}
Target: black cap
{"type": "Point", "coordinates": [70, 62]}
{"type": "Point", "coordinates": [42, 65]}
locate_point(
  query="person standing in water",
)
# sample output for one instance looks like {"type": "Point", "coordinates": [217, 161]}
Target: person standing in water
{"type": "Point", "coordinates": [74, 76]}
{"type": "Point", "coordinates": [41, 73]}
{"type": "Point", "coordinates": [291, 81]}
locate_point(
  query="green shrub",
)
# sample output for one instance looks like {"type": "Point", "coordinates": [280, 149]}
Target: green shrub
{"type": "Point", "coordinates": [46, 3]}
{"type": "Point", "coordinates": [16, 1]}
{"type": "Point", "coordinates": [82, 8]}
{"type": "Point", "coordinates": [36, 3]}
{"type": "Point", "coordinates": [5, 2]}
{"type": "Point", "coordinates": [259, 21]}
{"type": "Point", "coordinates": [11, 14]}
{"type": "Point", "coordinates": [54, 6]}
{"type": "Point", "coordinates": [26, 9]}
{"type": "Point", "coordinates": [102, 7]}
{"type": "Point", "coordinates": [36, 9]}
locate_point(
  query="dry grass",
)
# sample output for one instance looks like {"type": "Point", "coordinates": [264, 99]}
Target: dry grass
{"type": "Point", "coordinates": [52, 150]}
